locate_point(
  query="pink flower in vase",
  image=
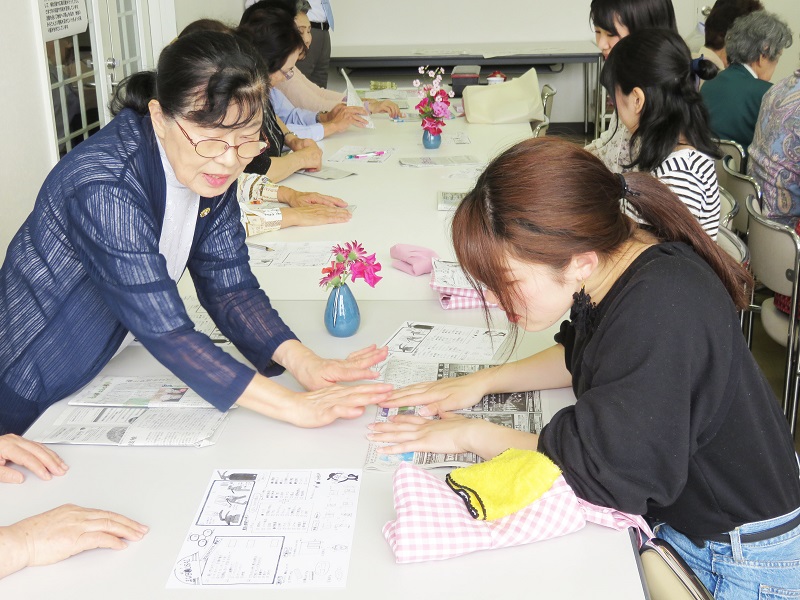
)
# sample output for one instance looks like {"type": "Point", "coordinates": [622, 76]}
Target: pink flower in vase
{"type": "Point", "coordinates": [433, 126]}
{"type": "Point", "coordinates": [441, 109]}
{"type": "Point", "coordinates": [351, 261]}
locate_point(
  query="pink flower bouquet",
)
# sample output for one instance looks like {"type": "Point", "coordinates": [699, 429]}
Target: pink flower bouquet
{"type": "Point", "coordinates": [434, 105]}
{"type": "Point", "coordinates": [351, 262]}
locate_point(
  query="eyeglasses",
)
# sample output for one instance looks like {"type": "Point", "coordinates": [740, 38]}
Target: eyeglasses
{"type": "Point", "coordinates": [212, 148]}
{"type": "Point", "coordinates": [288, 74]}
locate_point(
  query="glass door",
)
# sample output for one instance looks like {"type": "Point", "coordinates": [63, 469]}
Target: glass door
{"type": "Point", "coordinates": [85, 68]}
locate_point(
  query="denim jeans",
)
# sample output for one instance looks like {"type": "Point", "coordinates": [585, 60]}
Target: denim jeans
{"type": "Point", "coordinates": [766, 570]}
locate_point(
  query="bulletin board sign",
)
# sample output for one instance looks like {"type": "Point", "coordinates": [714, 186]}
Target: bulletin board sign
{"type": "Point", "coordinates": [62, 18]}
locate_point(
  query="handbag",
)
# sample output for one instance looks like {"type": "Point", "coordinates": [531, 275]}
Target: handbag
{"type": "Point", "coordinates": [515, 101]}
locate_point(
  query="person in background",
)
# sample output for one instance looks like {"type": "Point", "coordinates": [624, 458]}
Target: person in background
{"type": "Point", "coordinates": [119, 220]}
{"type": "Point", "coordinates": [314, 64]}
{"type": "Point", "coordinates": [613, 20]}
{"type": "Point", "coordinates": [718, 22]}
{"type": "Point", "coordinates": [774, 158]}
{"type": "Point", "coordinates": [59, 533]}
{"type": "Point", "coordinates": [754, 45]}
{"type": "Point", "coordinates": [650, 75]}
{"type": "Point", "coordinates": [302, 208]}
{"type": "Point", "coordinates": [304, 94]}
{"type": "Point", "coordinates": [667, 390]}
{"type": "Point", "coordinates": [279, 44]}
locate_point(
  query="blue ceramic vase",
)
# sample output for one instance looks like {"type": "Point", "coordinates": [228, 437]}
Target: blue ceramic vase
{"type": "Point", "coordinates": [431, 142]}
{"type": "Point", "coordinates": [342, 316]}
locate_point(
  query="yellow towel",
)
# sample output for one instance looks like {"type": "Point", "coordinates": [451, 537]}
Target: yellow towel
{"type": "Point", "coordinates": [507, 483]}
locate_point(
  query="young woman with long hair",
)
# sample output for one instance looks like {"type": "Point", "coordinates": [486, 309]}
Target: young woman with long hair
{"type": "Point", "coordinates": [674, 419]}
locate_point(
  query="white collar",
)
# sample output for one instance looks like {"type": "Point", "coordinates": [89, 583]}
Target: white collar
{"type": "Point", "coordinates": [749, 68]}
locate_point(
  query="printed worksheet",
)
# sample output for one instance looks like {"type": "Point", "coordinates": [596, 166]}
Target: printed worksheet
{"type": "Point", "coordinates": [430, 341]}
{"type": "Point", "coordinates": [290, 254]}
{"type": "Point", "coordinates": [449, 274]}
{"type": "Point", "coordinates": [166, 391]}
{"type": "Point", "coordinates": [271, 529]}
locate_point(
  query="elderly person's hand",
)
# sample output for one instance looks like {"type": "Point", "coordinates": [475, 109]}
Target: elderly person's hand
{"type": "Point", "coordinates": [385, 106]}
{"type": "Point", "coordinates": [63, 532]}
{"type": "Point", "coordinates": [35, 457]}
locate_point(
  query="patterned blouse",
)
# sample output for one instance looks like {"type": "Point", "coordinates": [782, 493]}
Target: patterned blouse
{"type": "Point", "coordinates": [774, 155]}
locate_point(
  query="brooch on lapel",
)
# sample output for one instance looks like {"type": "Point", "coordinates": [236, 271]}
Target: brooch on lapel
{"type": "Point", "coordinates": [204, 212]}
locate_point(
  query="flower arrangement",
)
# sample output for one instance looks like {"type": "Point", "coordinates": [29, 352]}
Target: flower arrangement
{"type": "Point", "coordinates": [435, 103]}
{"type": "Point", "coordinates": [351, 262]}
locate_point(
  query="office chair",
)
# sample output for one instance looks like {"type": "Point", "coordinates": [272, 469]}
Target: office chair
{"type": "Point", "coordinates": [740, 187]}
{"type": "Point", "coordinates": [729, 208]}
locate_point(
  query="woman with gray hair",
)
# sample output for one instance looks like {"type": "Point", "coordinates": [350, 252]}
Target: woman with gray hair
{"type": "Point", "coordinates": [754, 45]}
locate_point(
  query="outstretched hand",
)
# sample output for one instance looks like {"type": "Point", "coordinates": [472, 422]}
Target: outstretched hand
{"type": "Point", "coordinates": [436, 397]}
{"type": "Point", "coordinates": [314, 372]}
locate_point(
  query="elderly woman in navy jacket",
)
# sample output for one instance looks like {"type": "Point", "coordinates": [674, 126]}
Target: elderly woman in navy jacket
{"type": "Point", "coordinates": [117, 222]}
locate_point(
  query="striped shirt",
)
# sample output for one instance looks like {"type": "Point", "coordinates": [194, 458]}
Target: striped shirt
{"type": "Point", "coordinates": [691, 175]}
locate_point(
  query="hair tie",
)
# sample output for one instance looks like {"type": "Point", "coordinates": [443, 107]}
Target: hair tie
{"type": "Point", "coordinates": [626, 191]}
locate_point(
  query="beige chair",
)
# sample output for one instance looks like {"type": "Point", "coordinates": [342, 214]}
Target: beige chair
{"type": "Point", "coordinates": [667, 575]}
{"type": "Point", "coordinates": [737, 249]}
{"type": "Point", "coordinates": [729, 208]}
{"type": "Point", "coordinates": [541, 127]}
{"type": "Point", "coordinates": [736, 153]}
{"type": "Point", "coordinates": [775, 261]}
{"type": "Point", "coordinates": [740, 187]}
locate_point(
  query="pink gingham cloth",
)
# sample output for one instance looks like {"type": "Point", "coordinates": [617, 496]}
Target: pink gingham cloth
{"type": "Point", "coordinates": [452, 298]}
{"type": "Point", "coordinates": [433, 523]}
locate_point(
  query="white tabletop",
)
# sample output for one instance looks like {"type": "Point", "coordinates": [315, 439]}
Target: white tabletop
{"type": "Point", "coordinates": [395, 204]}
{"type": "Point", "coordinates": [163, 487]}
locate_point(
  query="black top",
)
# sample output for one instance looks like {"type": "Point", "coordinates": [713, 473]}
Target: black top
{"type": "Point", "coordinates": [272, 133]}
{"type": "Point", "coordinates": [674, 419]}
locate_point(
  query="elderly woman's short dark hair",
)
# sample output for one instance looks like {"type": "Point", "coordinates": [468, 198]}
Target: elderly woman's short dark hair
{"type": "Point", "coordinates": [760, 33]}
{"type": "Point", "coordinates": [722, 16]}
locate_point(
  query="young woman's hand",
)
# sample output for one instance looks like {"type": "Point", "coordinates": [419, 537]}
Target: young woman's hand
{"type": "Point", "coordinates": [449, 434]}
{"type": "Point", "coordinates": [441, 396]}
{"type": "Point", "coordinates": [35, 457]}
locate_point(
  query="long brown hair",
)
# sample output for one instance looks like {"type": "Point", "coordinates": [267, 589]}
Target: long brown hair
{"type": "Point", "coordinates": [544, 200]}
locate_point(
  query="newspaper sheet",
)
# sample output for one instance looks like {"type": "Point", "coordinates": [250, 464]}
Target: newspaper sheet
{"type": "Point", "coordinates": [139, 392]}
{"type": "Point", "coordinates": [290, 254]}
{"type": "Point", "coordinates": [524, 411]}
{"type": "Point", "coordinates": [132, 427]}
{"type": "Point", "coordinates": [271, 529]}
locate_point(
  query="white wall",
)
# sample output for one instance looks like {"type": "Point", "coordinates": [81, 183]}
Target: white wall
{"type": "Point", "coordinates": [366, 23]}
{"type": "Point", "coordinates": [28, 151]}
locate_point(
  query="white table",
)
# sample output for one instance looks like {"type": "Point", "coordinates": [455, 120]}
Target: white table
{"type": "Point", "coordinates": [162, 487]}
{"type": "Point", "coordinates": [395, 204]}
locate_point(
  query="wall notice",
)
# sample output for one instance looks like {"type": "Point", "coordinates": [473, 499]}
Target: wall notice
{"type": "Point", "coordinates": [62, 18]}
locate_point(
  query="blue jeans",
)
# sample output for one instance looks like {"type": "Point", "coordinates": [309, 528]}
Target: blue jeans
{"type": "Point", "coordinates": [766, 570]}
